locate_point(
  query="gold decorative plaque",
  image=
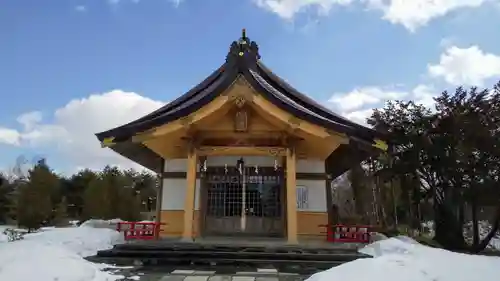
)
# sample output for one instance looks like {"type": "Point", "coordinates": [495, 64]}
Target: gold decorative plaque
{"type": "Point", "coordinates": [241, 121]}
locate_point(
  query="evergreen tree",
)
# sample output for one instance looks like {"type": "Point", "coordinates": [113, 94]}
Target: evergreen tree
{"type": "Point", "coordinates": [96, 201]}
{"type": "Point", "coordinates": [6, 189]}
{"type": "Point", "coordinates": [33, 207]}
{"type": "Point", "coordinates": [75, 188]}
{"type": "Point", "coordinates": [61, 213]}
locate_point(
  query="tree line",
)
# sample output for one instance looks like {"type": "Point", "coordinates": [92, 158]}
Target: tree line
{"type": "Point", "coordinates": [443, 165]}
{"type": "Point", "coordinates": [43, 197]}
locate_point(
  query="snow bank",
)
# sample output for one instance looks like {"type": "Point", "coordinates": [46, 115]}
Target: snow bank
{"type": "Point", "coordinates": [33, 260]}
{"type": "Point", "coordinates": [402, 258]}
{"type": "Point", "coordinates": [58, 254]}
{"type": "Point", "coordinates": [3, 237]}
{"type": "Point", "coordinates": [83, 241]}
{"type": "Point", "coordinates": [111, 224]}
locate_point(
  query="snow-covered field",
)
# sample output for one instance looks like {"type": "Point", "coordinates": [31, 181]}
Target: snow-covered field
{"type": "Point", "coordinates": [57, 254]}
{"type": "Point", "coordinates": [402, 258]}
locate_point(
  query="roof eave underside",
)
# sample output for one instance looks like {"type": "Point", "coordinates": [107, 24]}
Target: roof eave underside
{"type": "Point", "coordinates": [139, 154]}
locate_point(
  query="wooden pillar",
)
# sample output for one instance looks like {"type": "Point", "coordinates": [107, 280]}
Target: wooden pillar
{"type": "Point", "coordinates": [187, 233]}
{"type": "Point", "coordinates": [328, 191]}
{"type": "Point", "coordinates": [159, 192]}
{"type": "Point", "coordinates": [291, 195]}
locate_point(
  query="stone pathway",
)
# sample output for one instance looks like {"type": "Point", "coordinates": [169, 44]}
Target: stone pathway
{"type": "Point", "coordinates": [222, 274]}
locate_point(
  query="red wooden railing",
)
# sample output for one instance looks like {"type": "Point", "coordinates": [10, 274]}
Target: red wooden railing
{"type": "Point", "coordinates": [340, 233]}
{"type": "Point", "coordinates": [139, 230]}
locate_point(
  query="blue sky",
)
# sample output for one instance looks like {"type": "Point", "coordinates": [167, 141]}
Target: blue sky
{"type": "Point", "coordinates": [74, 67]}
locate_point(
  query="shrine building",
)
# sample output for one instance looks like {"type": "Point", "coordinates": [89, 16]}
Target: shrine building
{"type": "Point", "coordinates": [243, 153]}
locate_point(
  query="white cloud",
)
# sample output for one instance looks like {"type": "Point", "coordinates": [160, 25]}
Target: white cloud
{"type": "Point", "coordinates": [288, 8]}
{"type": "Point", "coordinates": [72, 131]}
{"type": "Point", "coordinates": [9, 136]}
{"type": "Point", "coordinates": [116, 2]}
{"type": "Point", "coordinates": [358, 104]}
{"type": "Point", "coordinates": [359, 116]}
{"type": "Point", "coordinates": [447, 42]}
{"type": "Point", "coordinates": [30, 119]}
{"type": "Point", "coordinates": [412, 14]}
{"type": "Point", "coordinates": [424, 94]}
{"type": "Point", "coordinates": [360, 97]}
{"type": "Point", "coordinates": [176, 3]}
{"type": "Point", "coordinates": [466, 66]}
{"type": "Point", "coordinates": [81, 8]}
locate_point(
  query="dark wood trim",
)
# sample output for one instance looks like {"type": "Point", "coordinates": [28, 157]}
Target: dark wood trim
{"type": "Point", "coordinates": [300, 176]}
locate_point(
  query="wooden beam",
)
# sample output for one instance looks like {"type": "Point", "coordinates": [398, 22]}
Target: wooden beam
{"type": "Point", "coordinates": [205, 134]}
{"type": "Point", "coordinates": [241, 150]}
{"type": "Point", "coordinates": [300, 176]}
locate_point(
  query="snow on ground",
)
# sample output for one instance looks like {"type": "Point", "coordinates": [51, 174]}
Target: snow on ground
{"type": "Point", "coordinates": [3, 237]}
{"type": "Point", "coordinates": [402, 258]}
{"type": "Point", "coordinates": [102, 223]}
{"type": "Point", "coordinates": [83, 241]}
{"type": "Point", "coordinates": [58, 254]}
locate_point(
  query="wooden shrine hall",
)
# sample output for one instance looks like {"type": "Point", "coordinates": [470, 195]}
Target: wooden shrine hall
{"type": "Point", "coordinates": [243, 153]}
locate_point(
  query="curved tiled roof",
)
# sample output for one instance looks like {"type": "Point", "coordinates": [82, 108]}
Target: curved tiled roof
{"type": "Point", "coordinates": [243, 59]}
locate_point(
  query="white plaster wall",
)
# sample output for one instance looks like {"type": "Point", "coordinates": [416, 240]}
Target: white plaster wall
{"type": "Point", "coordinates": [174, 194]}
{"type": "Point", "coordinates": [316, 195]}
{"type": "Point", "coordinates": [175, 165]}
{"type": "Point", "coordinates": [310, 166]}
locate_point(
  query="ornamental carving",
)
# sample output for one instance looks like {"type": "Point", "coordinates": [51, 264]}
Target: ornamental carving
{"type": "Point", "coordinates": [243, 50]}
{"type": "Point", "coordinates": [239, 101]}
{"type": "Point", "coordinates": [273, 151]}
{"type": "Point", "coordinates": [240, 97]}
